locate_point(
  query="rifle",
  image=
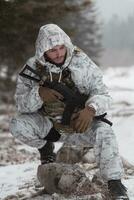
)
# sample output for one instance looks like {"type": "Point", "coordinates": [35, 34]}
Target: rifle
{"type": "Point", "coordinates": [72, 100]}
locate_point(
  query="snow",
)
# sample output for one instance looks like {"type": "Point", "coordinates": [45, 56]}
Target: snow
{"type": "Point", "coordinates": [124, 132]}
{"type": "Point", "coordinates": [13, 177]}
{"type": "Point", "coordinates": [121, 84]}
{"type": "Point", "coordinates": [129, 183]}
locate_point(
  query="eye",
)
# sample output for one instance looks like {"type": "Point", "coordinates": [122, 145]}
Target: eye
{"type": "Point", "coordinates": [62, 47]}
{"type": "Point", "coordinates": [52, 50]}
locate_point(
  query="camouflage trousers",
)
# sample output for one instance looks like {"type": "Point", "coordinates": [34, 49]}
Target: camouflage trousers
{"type": "Point", "coordinates": [32, 128]}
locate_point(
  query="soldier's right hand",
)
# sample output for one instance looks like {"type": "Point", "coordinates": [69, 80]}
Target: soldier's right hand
{"type": "Point", "coordinates": [49, 95]}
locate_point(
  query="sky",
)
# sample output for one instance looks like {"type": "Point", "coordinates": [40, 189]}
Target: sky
{"type": "Point", "coordinates": [122, 8]}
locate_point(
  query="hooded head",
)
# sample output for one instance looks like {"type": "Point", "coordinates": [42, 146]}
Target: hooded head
{"type": "Point", "coordinates": [49, 37]}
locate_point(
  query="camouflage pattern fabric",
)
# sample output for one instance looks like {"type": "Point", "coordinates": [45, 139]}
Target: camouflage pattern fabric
{"type": "Point", "coordinates": [54, 110]}
{"type": "Point", "coordinates": [30, 126]}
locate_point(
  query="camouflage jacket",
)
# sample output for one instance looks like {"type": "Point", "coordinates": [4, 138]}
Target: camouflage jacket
{"type": "Point", "coordinates": [86, 76]}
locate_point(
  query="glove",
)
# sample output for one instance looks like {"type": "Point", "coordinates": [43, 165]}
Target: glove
{"type": "Point", "coordinates": [82, 119]}
{"type": "Point", "coordinates": [49, 95]}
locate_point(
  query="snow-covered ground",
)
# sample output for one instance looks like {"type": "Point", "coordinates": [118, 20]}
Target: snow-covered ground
{"type": "Point", "coordinates": [16, 178]}
{"type": "Point", "coordinates": [19, 181]}
{"type": "Point", "coordinates": [121, 84]}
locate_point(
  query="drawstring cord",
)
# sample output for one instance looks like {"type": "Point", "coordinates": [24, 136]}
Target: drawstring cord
{"type": "Point", "coordinates": [60, 76]}
{"type": "Point", "coordinates": [51, 76]}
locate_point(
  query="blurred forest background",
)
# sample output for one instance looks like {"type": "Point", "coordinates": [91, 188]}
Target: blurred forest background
{"type": "Point", "coordinates": [118, 40]}
{"type": "Point", "coordinates": [20, 22]}
{"type": "Point", "coordinates": [108, 44]}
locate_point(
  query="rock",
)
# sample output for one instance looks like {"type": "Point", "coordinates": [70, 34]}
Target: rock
{"type": "Point", "coordinates": [130, 172]}
{"type": "Point", "coordinates": [11, 197]}
{"type": "Point", "coordinates": [97, 196]}
{"type": "Point", "coordinates": [68, 179]}
{"type": "Point", "coordinates": [127, 164]}
{"type": "Point", "coordinates": [89, 166]}
{"type": "Point", "coordinates": [71, 154]}
{"type": "Point", "coordinates": [89, 157]}
{"type": "Point", "coordinates": [59, 178]}
{"type": "Point", "coordinates": [56, 196]}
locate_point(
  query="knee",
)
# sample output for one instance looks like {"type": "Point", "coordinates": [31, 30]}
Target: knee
{"type": "Point", "coordinates": [17, 127]}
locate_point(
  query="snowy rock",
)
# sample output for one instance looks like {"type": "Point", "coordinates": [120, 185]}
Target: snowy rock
{"type": "Point", "coordinates": [130, 172]}
{"type": "Point", "coordinates": [56, 196]}
{"type": "Point", "coordinates": [61, 178]}
{"type": "Point", "coordinates": [70, 175]}
{"type": "Point", "coordinates": [73, 154]}
{"type": "Point", "coordinates": [127, 164]}
{"type": "Point", "coordinates": [68, 179]}
{"type": "Point", "coordinates": [97, 196]}
{"type": "Point", "coordinates": [89, 157]}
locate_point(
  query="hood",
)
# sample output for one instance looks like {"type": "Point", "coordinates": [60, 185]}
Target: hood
{"type": "Point", "coordinates": [49, 36]}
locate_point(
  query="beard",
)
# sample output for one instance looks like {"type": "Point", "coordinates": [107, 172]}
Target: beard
{"type": "Point", "coordinates": [52, 62]}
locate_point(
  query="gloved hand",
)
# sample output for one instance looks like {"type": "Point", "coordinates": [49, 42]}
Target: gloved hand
{"type": "Point", "coordinates": [49, 95]}
{"type": "Point", "coordinates": [81, 120]}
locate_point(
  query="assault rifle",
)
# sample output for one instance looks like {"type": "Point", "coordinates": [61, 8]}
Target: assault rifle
{"type": "Point", "coordinates": [72, 100]}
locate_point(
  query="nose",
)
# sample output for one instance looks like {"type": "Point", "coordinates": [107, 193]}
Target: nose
{"type": "Point", "coordinates": [58, 53]}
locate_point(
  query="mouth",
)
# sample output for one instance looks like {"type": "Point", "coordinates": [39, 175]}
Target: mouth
{"type": "Point", "coordinates": [59, 60]}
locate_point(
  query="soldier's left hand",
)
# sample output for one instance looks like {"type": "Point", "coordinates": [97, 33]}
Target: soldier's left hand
{"type": "Point", "coordinates": [83, 119]}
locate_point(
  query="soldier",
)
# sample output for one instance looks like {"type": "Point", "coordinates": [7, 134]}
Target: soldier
{"type": "Point", "coordinates": [40, 107]}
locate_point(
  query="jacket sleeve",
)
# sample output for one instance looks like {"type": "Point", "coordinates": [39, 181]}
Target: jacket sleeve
{"type": "Point", "coordinates": [27, 97]}
{"type": "Point", "coordinates": [99, 97]}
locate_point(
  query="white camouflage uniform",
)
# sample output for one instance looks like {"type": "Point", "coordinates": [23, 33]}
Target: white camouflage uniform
{"type": "Point", "coordinates": [30, 126]}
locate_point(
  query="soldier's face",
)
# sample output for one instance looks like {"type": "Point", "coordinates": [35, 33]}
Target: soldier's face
{"type": "Point", "coordinates": [56, 54]}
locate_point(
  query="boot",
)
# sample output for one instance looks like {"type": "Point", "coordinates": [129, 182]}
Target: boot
{"type": "Point", "coordinates": [53, 135]}
{"type": "Point", "coordinates": [46, 153]}
{"type": "Point", "coordinates": [117, 190]}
